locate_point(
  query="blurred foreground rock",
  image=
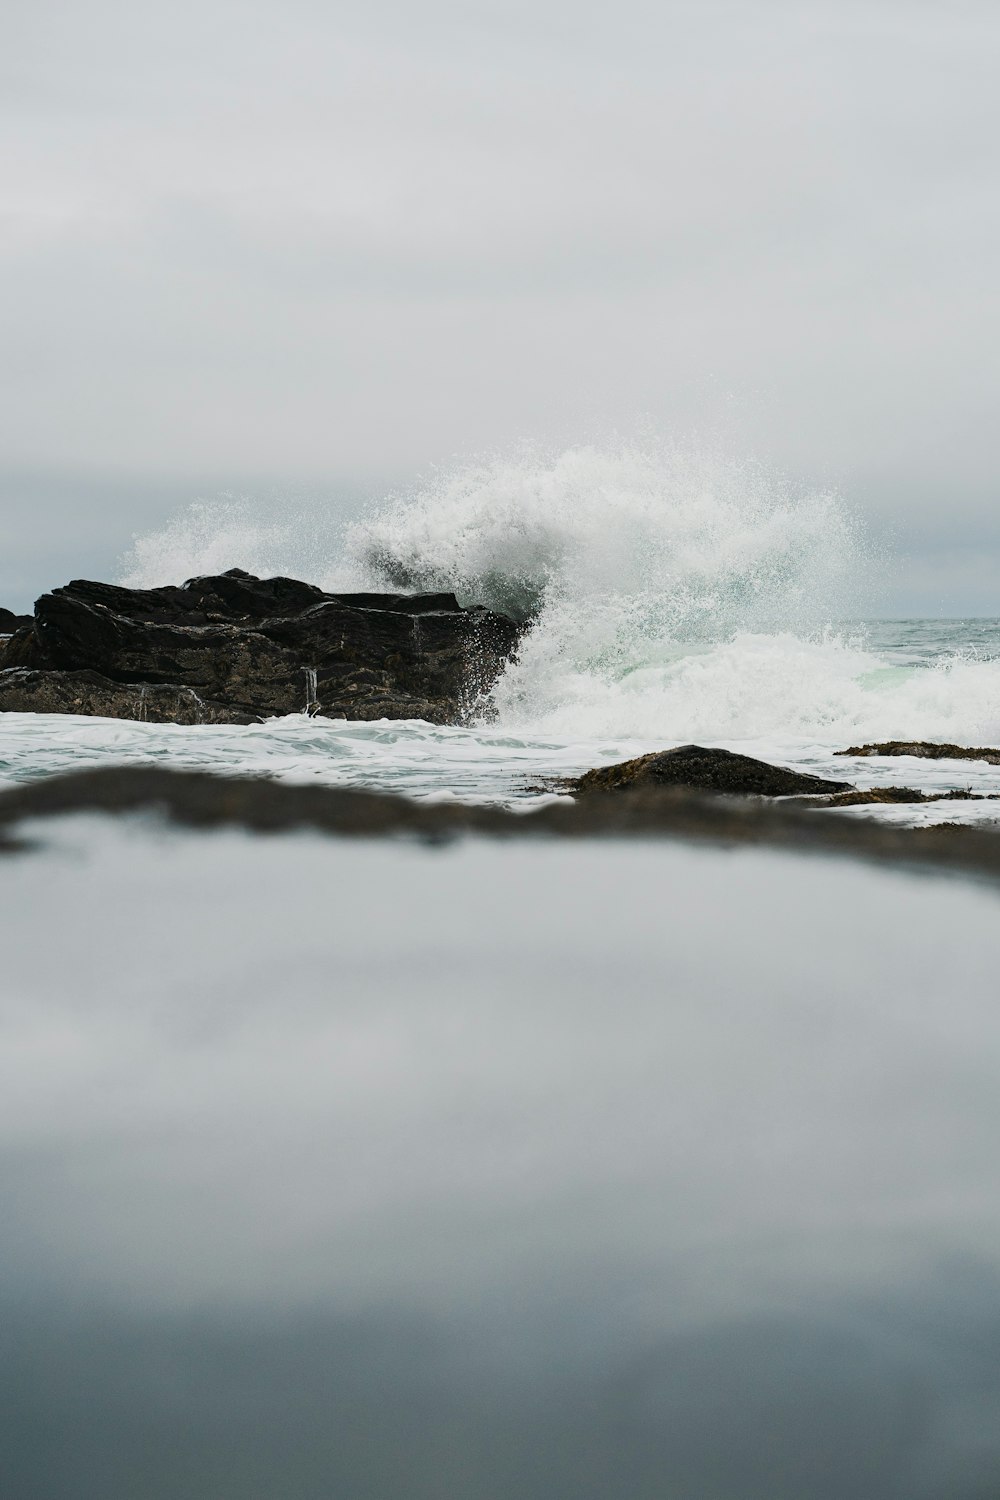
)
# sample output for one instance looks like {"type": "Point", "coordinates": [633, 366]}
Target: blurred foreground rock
{"type": "Point", "coordinates": [196, 799]}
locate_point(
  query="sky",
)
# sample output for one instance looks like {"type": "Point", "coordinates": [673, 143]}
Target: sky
{"type": "Point", "coordinates": [300, 249]}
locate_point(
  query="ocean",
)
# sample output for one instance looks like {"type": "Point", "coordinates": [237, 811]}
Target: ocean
{"type": "Point", "coordinates": [559, 1170]}
{"type": "Point", "coordinates": [668, 596]}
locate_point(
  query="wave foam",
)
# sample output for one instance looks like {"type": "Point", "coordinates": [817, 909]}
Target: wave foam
{"type": "Point", "coordinates": [775, 688]}
{"type": "Point", "coordinates": [668, 594]}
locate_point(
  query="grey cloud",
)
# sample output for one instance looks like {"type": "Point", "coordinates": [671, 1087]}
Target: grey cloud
{"type": "Point", "coordinates": [310, 243]}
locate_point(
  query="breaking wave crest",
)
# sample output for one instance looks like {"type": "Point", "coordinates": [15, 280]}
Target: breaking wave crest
{"type": "Point", "coordinates": [667, 594]}
{"type": "Point", "coordinates": [664, 542]}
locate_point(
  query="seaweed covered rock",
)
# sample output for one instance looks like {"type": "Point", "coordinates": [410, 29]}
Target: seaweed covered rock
{"type": "Point", "coordinates": [706, 769]}
{"type": "Point", "coordinates": [235, 648]}
{"type": "Point", "coordinates": [926, 750]}
{"type": "Point", "coordinates": [887, 796]}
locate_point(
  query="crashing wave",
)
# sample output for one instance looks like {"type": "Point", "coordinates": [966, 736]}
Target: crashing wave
{"type": "Point", "coordinates": [669, 593]}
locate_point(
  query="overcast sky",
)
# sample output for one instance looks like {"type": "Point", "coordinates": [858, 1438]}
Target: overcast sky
{"type": "Point", "coordinates": [275, 247]}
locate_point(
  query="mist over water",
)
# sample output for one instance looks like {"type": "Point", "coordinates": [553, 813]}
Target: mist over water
{"type": "Point", "coordinates": [669, 592]}
{"type": "Point", "coordinates": [210, 536]}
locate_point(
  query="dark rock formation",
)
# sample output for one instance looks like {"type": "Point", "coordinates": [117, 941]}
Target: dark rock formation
{"type": "Point", "coordinates": [235, 648]}
{"type": "Point", "coordinates": [924, 750]}
{"type": "Point", "coordinates": [707, 770]}
{"type": "Point", "coordinates": [9, 622]}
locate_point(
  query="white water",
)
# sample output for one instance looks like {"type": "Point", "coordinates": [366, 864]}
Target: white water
{"type": "Point", "coordinates": [674, 596]}
{"type": "Point", "coordinates": [670, 595]}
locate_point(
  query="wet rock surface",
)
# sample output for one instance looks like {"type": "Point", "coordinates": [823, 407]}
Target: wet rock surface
{"type": "Point", "coordinates": [925, 750]}
{"type": "Point", "coordinates": [234, 648]}
{"type": "Point", "coordinates": [36, 692]}
{"type": "Point", "coordinates": [704, 769]}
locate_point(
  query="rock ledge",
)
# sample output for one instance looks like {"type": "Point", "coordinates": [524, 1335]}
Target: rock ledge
{"type": "Point", "coordinates": [235, 648]}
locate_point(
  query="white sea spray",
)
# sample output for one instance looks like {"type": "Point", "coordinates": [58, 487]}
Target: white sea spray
{"type": "Point", "coordinates": [669, 592]}
{"type": "Point", "coordinates": [675, 542]}
{"type": "Point", "coordinates": [231, 531]}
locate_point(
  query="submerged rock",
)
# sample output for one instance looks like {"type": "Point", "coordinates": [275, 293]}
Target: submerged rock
{"type": "Point", "coordinates": [925, 750]}
{"type": "Point", "coordinates": [235, 648]}
{"type": "Point", "coordinates": [705, 769]}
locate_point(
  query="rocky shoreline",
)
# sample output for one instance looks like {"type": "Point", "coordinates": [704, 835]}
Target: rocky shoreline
{"type": "Point", "coordinates": [234, 649]}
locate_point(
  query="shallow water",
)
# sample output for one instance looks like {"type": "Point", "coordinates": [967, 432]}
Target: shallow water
{"type": "Point", "coordinates": [377, 1170]}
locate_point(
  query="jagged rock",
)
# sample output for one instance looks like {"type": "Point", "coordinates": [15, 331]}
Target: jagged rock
{"type": "Point", "coordinates": [925, 750]}
{"type": "Point", "coordinates": [235, 648]}
{"type": "Point", "coordinates": [706, 769]}
{"type": "Point", "coordinates": [9, 622]}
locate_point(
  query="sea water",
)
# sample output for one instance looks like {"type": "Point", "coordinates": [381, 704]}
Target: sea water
{"type": "Point", "coordinates": [668, 595]}
{"type": "Point", "coordinates": [551, 1171]}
